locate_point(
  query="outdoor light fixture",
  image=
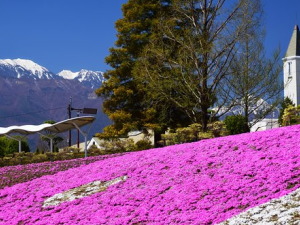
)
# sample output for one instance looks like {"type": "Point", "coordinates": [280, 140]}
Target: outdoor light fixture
{"type": "Point", "coordinates": [82, 110]}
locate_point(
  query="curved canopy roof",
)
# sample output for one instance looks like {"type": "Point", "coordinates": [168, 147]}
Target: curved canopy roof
{"type": "Point", "coordinates": [70, 124]}
{"type": "Point", "coordinates": [59, 127]}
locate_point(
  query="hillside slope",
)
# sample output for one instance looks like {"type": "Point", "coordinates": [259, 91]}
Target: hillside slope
{"type": "Point", "coordinates": [204, 182]}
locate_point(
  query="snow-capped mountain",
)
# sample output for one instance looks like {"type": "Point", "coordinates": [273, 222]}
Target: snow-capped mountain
{"type": "Point", "coordinates": [31, 94]}
{"type": "Point", "coordinates": [24, 68]}
{"type": "Point", "coordinates": [87, 77]}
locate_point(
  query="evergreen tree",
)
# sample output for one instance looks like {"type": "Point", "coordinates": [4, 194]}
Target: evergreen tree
{"type": "Point", "coordinates": [123, 94]}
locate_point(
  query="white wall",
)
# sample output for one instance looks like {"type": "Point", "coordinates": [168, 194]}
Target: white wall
{"type": "Point", "coordinates": [292, 78]}
{"type": "Point", "coordinates": [265, 124]}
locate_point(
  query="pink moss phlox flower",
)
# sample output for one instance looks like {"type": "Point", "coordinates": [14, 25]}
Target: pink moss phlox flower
{"type": "Point", "coordinates": [204, 182]}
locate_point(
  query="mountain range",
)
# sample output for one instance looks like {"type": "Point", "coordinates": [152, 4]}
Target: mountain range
{"type": "Point", "coordinates": [31, 94]}
{"type": "Point", "coordinates": [24, 68]}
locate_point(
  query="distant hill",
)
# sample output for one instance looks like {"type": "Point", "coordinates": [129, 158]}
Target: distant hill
{"type": "Point", "coordinates": [31, 94]}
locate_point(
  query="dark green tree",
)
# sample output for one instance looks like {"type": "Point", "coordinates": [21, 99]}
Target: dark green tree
{"type": "Point", "coordinates": [236, 124]}
{"type": "Point", "coordinates": [124, 95]}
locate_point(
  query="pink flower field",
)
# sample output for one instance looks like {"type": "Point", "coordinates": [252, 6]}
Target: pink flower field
{"type": "Point", "coordinates": [11, 175]}
{"type": "Point", "coordinates": [203, 182]}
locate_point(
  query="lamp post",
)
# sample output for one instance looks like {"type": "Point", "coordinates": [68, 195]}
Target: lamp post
{"type": "Point", "coordinates": [82, 110]}
{"type": "Point", "coordinates": [69, 114]}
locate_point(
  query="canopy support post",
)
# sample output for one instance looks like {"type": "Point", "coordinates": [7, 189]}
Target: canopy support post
{"type": "Point", "coordinates": [16, 139]}
{"type": "Point", "coordinates": [51, 140]}
{"type": "Point", "coordinates": [85, 139]}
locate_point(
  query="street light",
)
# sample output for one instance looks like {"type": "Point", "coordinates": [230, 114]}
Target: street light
{"type": "Point", "coordinates": [82, 110]}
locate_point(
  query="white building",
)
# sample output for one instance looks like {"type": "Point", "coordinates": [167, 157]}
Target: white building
{"type": "Point", "coordinates": [291, 68]}
{"type": "Point", "coordinates": [134, 135]}
{"type": "Point", "coordinates": [265, 124]}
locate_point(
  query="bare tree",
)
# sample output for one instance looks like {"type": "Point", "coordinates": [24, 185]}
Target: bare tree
{"type": "Point", "coordinates": [189, 56]}
{"type": "Point", "coordinates": [255, 80]}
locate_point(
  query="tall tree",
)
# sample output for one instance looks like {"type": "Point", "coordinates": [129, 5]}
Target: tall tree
{"type": "Point", "coordinates": [255, 82]}
{"type": "Point", "coordinates": [189, 55]}
{"type": "Point", "coordinates": [123, 95]}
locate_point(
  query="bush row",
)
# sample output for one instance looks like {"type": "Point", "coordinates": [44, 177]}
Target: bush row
{"type": "Point", "coordinates": [231, 125]}
{"type": "Point", "coordinates": [109, 147]}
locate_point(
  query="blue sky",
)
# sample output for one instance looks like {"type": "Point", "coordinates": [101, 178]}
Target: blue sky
{"type": "Point", "coordinates": [77, 34]}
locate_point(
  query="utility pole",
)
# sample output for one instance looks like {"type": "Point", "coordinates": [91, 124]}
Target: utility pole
{"type": "Point", "coordinates": [78, 131]}
{"type": "Point", "coordinates": [81, 110]}
{"type": "Point", "coordinates": [69, 114]}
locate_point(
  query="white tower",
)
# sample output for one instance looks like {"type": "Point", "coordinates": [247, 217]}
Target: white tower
{"type": "Point", "coordinates": [291, 68]}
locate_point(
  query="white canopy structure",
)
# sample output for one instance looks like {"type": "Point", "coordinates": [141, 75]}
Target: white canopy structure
{"type": "Point", "coordinates": [53, 129]}
{"type": "Point", "coordinates": [24, 130]}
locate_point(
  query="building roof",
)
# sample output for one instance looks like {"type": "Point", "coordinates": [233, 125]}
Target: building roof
{"type": "Point", "coordinates": [294, 45]}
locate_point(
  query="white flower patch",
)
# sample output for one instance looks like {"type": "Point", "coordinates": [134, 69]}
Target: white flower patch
{"type": "Point", "coordinates": [281, 211]}
{"type": "Point", "coordinates": [82, 191]}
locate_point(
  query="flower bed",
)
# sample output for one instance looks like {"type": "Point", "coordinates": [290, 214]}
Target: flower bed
{"type": "Point", "coordinates": [204, 182]}
{"type": "Point", "coordinates": [11, 175]}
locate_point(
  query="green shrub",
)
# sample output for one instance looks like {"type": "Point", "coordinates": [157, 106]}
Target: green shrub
{"type": "Point", "coordinates": [143, 144]}
{"type": "Point", "coordinates": [10, 146]}
{"type": "Point", "coordinates": [50, 156]}
{"type": "Point", "coordinates": [117, 145]}
{"type": "Point", "coordinates": [94, 151]}
{"type": "Point", "coordinates": [169, 139]}
{"type": "Point", "coordinates": [39, 158]}
{"type": "Point", "coordinates": [186, 134]}
{"type": "Point", "coordinates": [285, 104]}
{"type": "Point", "coordinates": [217, 128]}
{"type": "Point", "coordinates": [205, 135]}
{"type": "Point", "coordinates": [291, 115]}
{"type": "Point", "coordinates": [193, 133]}
{"type": "Point", "coordinates": [71, 150]}
{"type": "Point", "coordinates": [236, 124]}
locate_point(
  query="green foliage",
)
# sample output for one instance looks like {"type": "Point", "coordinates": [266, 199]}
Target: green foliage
{"type": "Point", "coordinates": [162, 76]}
{"type": "Point", "coordinates": [93, 151]}
{"type": "Point", "coordinates": [193, 133]}
{"type": "Point", "coordinates": [10, 146]}
{"type": "Point", "coordinates": [205, 135]}
{"type": "Point", "coordinates": [236, 124]}
{"type": "Point", "coordinates": [39, 158]}
{"type": "Point", "coordinates": [26, 158]}
{"type": "Point", "coordinates": [117, 145]}
{"type": "Point", "coordinates": [291, 115]}
{"type": "Point", "coordinates": [124, 95]}
{"type": "Point", "coordinates": [286, 103]}
{"type": "Point", "coordinates": [50, 121]}
{"type": "Point", "coordinates": [217, 128]}
{"type": "Point", "coordinates": [179, 71]}
{"type": "Point", "coordinates": [143, 144]}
